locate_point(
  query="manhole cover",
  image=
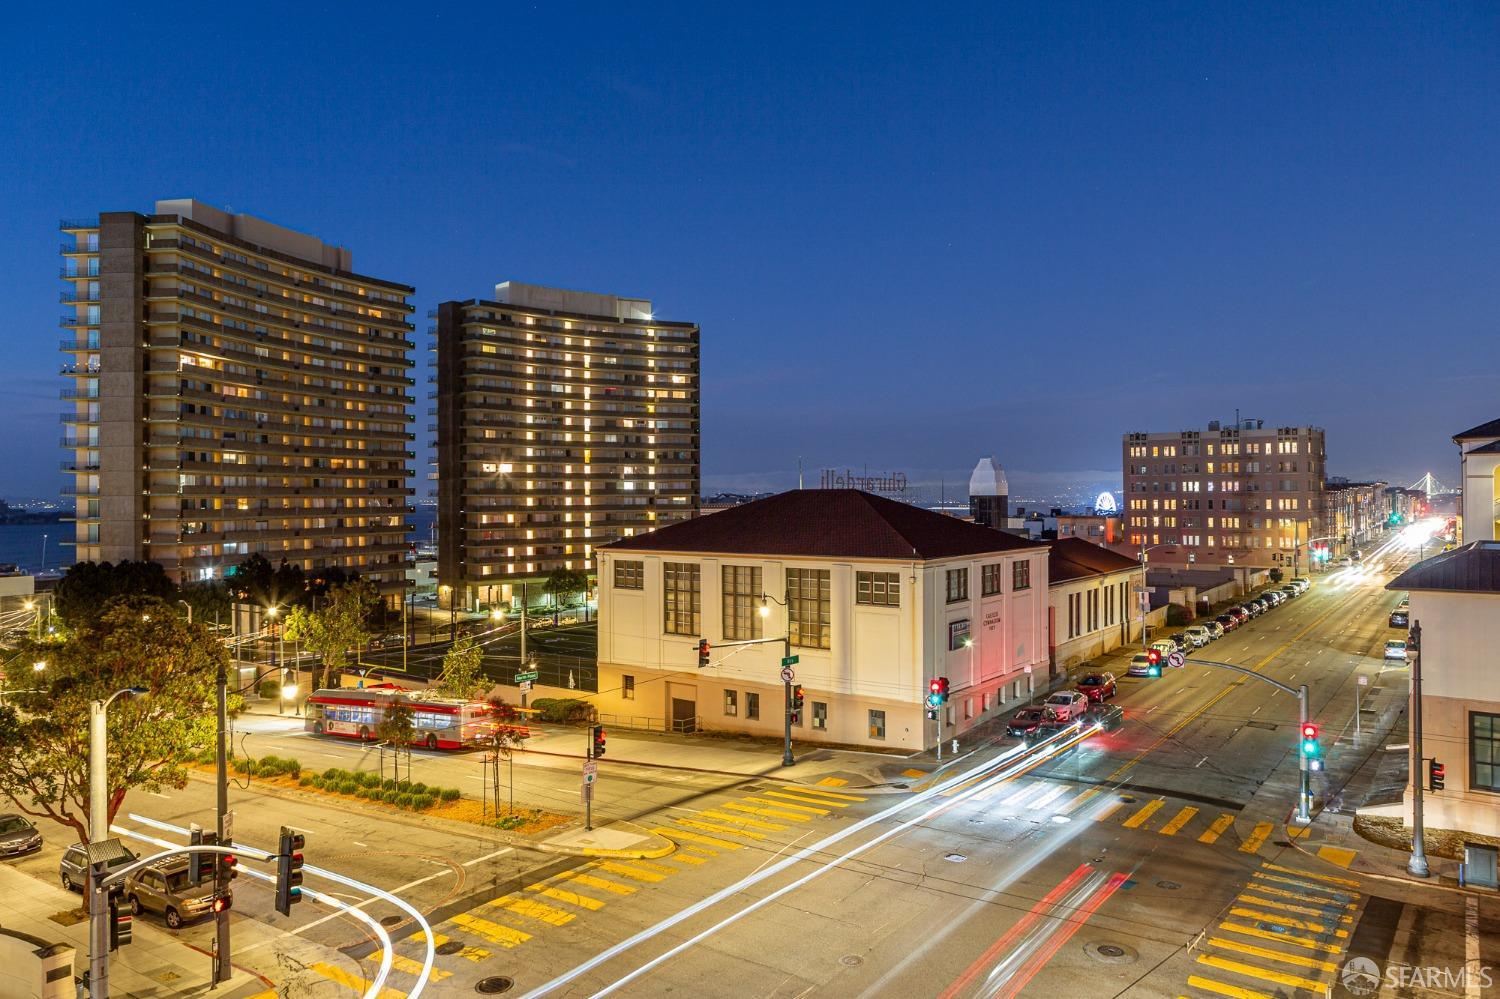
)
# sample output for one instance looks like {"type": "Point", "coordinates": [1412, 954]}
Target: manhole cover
{"type": "Point", "coordinates": [851, 960]}
{"type": "Point", "coordinates": [493, 985]}
{"type": "Point", "coordinates": [449, 947]}
{"type": "Point", "coordinates": [1168, 885]}
{"type": "Point", "coordinates": [390, 920]}
{"type": "Point", "coordinates": [1268, 726]}
{"type": "Point", "coordinates": [1109, 953]}
{"type": "Point", "coordinates": [955, 858]}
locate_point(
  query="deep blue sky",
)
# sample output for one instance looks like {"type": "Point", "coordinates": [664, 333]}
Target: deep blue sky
{"type": "Point", "coordinates": [912, 235]}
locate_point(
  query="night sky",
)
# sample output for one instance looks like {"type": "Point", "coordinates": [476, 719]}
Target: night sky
{"type": "Point", "coordinates": [912, 235]}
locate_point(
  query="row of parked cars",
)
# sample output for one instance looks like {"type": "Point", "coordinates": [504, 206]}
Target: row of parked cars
{"type": "Point", "coordinates": [1198, 635]}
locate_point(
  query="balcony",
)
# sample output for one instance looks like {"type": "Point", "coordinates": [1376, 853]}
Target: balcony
{"type": "Point", "coordinates": [78, 418]}
{"type": "Point", "coordinates": [77, 321]}
{"type": "Point", "coordinates": [74, 298]}
{"type": "Point", "coordinates": [83, 222]}
{"type": "Point", "coordinates": [79, 491]}
{"type": "Point", "coordinates": [70, 248]}
{"type": "Point", "coordinates": [80, 395]}
{"type": "Point", "coordinates": [74, 466]}
{"type": "Point", "coordinates": [90, 270]}
{"type": "Point", "coordinates": [76, 369]}
{"type": "Point", "coordinates": [75, 442]}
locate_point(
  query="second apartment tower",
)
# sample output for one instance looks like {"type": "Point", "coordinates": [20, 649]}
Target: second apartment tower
{"type": "Point", "coordinates": [565, 420]}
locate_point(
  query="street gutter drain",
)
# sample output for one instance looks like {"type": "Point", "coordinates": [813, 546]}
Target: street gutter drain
{"type": "Point", "coordinates": [449, 947]}
{"type": "Point", "coordinates": [493, 985]}
{"type": "Point", "coordinates": [390, 920]}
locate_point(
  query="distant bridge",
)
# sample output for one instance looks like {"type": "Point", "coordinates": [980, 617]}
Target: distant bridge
{"type": "Point", "coordinates": [1430, 485]}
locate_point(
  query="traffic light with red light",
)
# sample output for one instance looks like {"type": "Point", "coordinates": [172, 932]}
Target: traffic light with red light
{"type": "Point", "coordinates": [942, 689]}
{"type": "Point", "coordinates": [289, 870]}
{"type": "Point", "coordinates": [229, 868]}
{"type": "Point", "coordinates": [794, 704]}
{"type": "Point", "coordinates": [1311, 748]}
{"type": "Point", "coordinates": [222, 903]}
{"type": "Point", "coordinates": [1436, 774]}
{"type": "Point", "coordinates": [121, 923]}
{"type": "Point", "coordinates": [596, 741]}
{"type": "Point", "coordinates": [1153, 662]}
{"type": "Point", "coordinates": [703, 650]}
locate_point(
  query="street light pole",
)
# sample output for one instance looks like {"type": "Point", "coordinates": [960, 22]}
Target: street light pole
{"type": "Point", "coordinates": [98, 833]}
{"type": "Point", "coordinates": [221, 965]}
{"type": "Point", "coordinates": [1417, 865]}
{"type": "Point", "coordinates": [786, 655]}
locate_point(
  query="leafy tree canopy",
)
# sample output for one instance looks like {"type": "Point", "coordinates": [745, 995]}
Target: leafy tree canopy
{"type": "Point", "coordinates": [463, 671]}
{"type": "Point", "coordinates": [339, 625]}
{"type": "Point", "coordinates": [134, 641]}
{"type": "Point", "coordinates": [81, 595]}
{"type": "Point", "coordinates": [563, 583]}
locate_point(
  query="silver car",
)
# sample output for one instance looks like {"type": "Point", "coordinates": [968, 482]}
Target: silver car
{"type": "Point", "coordinates": [73, 869]}
{"type": "Point", "coordinates": [18, 835]}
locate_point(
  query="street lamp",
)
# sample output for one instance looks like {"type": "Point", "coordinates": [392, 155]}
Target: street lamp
{"type": "Point", "coordinates": [98, 833]}
{"type": "Point", "coordinates": [786, 670]}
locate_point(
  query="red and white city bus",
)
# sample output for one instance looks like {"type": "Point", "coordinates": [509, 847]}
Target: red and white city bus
{"type": "Point", "coordinates": [439, 722]}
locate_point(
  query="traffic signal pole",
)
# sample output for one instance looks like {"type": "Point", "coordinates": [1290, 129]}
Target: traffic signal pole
{"type": "Point", "coordinates": [1417, 865]}
{"type": "Point", "coordinates": [786, 715]}
{"type": "Point", "coordinates": [221, 965]}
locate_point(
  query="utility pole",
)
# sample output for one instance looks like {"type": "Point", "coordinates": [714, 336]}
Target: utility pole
{"type": "Point", "coordinates": [523, 625]}
{"type": "Point", "coordinates": [1417, 865]}
{"type": "Point", "coordinates": [786, 683]}
{"type": "Point", "coordinates": [98, 833]}
{"type": "Point", "coordinates": [221, 966]}
{"type": "Point", "coordinates": [1304, 792]}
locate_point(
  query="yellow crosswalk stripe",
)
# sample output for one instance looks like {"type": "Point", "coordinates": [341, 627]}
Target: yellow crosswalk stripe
{"type": "Point", "coordinates": [532, 909]}
{"type": "Point", "coordinates": [789, 796]}
{"type": "Point", "coordinates": [1337, 855]}
{"type": "Point", "coordinates": [754, 823]}
{"type": "Point", "coordinates": [495, 933]}
{"type": "Point", "coordinates": [1336, 894]}
{"type": "Point", "coordinates": [785, 804]}
{"type": "Point", "coordinates": [913, 773]}
{"type": "Point", "coordinates": [1272, 890]}
{"type": "Point", "coordinates": [1178, 821]}
{"type": "Point", "coordinates": [1296, 924]}
{"type": "Point", "coordinates": [696, 838]}
{"type": "Point", "coordinates": [687, 858]}
{"type": "Point", "coordinates": [715, 827]}
{"type": "Point", "coordinates": [1346, 882]}
{"type": "Point", "coordinates": [408, 966]}
{"type": "Point", "coordinates": [833, 782]}
{"type": "Point", "coordinates": [637, 873]}
{"type": "Point", "coordinates": [1074, 803]}
{"type": "Point", "coordinates": [1295, 832]}
{"type": "Point", "coordinates": [1257, 837]}
{"type": "Point", "coordinates": [1264, 974]}
{"type": "Point", "coordinates": [1298, 960]}
{"type": "Point", "coordinates": [1285, 938]}
{"type": "Point", "coordinates": [1219, 988]}
{"type": "Point", "coordinates": [1303, 910]}
{"type": "Point", "coordinates": [1109, 812]}
{"type": "Point", "coordinates": [1051, 796]}
{"type": "Point", "coordinates": [695, 849]}
{"type": "Point", "coordinates": [1143, 813]}
{"type": "Point", "coordinates": [475, 954]}
{"type": "Point", "coordinates": [355, 982]}
{"type": "Point", "coordinates": [603, 884]}
{"type": "Point", "coordinates": [770, 813]}
{"type": "Point", "coordinates": [1216, 830]}
{"type": "Point", "coordinates": [1018, 796]}
{"type": "Point", "coordinates": [818, 792]}
{"type": "Point", "coordinates": [570, 897]}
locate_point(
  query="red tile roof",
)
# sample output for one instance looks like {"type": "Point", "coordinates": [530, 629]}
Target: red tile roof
{"type": "Point", "coordinates": [827, 523]}
{"type": "Point", "coordinates": [1474, 568]}
{"type": "Point", "coordinates": [1075, 558]}
{"type": "Point", "coordinates": [1490, 429]}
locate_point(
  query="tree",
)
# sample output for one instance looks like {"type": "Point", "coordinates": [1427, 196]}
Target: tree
{"type": "Point", "coordinates": [398, 727]}
{"type": "Point", "coordinates": [463, 671]}
{"type": "Point", "coordinates": [257, 581]}
{"type": "Point", "coordinates": [337, 626]}
{"type": "Point", "coordinates": [563, 583]}
{"type": "Point", "coordinates": [134, 641]}
{"type": "Point", "coordinates": [210, 602]}
{"type": "Point", "coordinates": [81, 595]}
{"type": "Point", "coordinates": [1275, 575]}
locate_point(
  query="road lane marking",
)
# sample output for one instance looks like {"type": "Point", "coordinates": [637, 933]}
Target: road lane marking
{"type": "Point", "coordinates": [1109, 812]}
{"type": "Point", "coordinates": [770, 813]}
{"type": "Point", "coordinates": [1263, 974]}
{"type": "Point", "coordinates": [714, 827]}
{"type": "Point", "coordinates": [570, 897]}
{"type": "Point", "coordinates": [820, 793]}
{"type": "Point", "coordinates": [1297, 960]}
{"type": "Point", "coordinates": [1257, 837]}
{"type": "Point", "coordinates": [1051, 796]}
{"type": "Point", "coordinates": [753, 823]}
{"type": "Point", "coordinates": [408, 966]}
{"type": "Point", "coordinates": [783, 804]}
{"type": "Point", "coordinates": [475, 954]}
{"type": "Point", "coordinates": [495, 933]}
{"type": "Point", "coordinates": [1219, 988]}
{"type": "Point", "coordinates": [1296, 924]}
{"type": "Point", "coordinates": [603, 884]}
{"type": "Point", "coordinates": [1074, 803]}
{"type": "Point", "coordinates": [805, 800]}
{"type": "Point", "coordinates": [539, 911]}
{"type": "Point", "coordinates": [1143, 813]}
{"type": "Point", "coordinates": [1306, 886]}
{"type": "Point", "coordinates": [355, 982]}
{"type": "Point", "coordinates": [635, 873]}
{"type": "Point", "coordinates": [1312, 904]}
{"type": "Point", "coordinates": [1216, 830]}
{"type": "Point", "coordinates": [1283, 938]}
{"type": "Point", "coordinates": [687, 858]}
{"type": "Point", "coordinates": [487, 856]}
{"type": "Point", "coordinates": [913, 773]}
{"type": "Point", "coordinates": [833, 782]}
{"type": "Point", "coordinates": [1346, 882]}
{"type": "Point", "coordinates": [1337, 855]}
{"type": "Point", "coordinates": [696, 838]}
{"type": "Point", "coordinates": [1289, 907]}
{"type": "Point", "coordinates": [1177, 821]}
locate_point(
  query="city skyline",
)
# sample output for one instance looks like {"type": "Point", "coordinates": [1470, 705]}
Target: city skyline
{"type": "Point", "coordinates": [1272, 227]}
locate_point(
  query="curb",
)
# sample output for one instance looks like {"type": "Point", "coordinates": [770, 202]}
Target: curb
{"type": "Point", "coordinates": [592, 851]}
{"type": "Point", "coordinates": [1389, 878]}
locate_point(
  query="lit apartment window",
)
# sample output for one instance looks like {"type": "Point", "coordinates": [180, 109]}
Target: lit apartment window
{"type": "Point", "coordinates": [958, 584]}
{"type": "Point", "coordinates": [742, 593]}
{"type": "Point", "coordinates": [808, 610]}
{"type": "Point", "coordinates": [627, 687]}
{"type": "Point", "coordinates": [1020, 575]}
{"type": "Point", "coordinates": [629, 573]}
{"type": "Point", "coordinates": [880, 589]}
{"type": "Point", "coordinates": [877, 724]}
{"type": "Point", "coordinates": [680, 598]}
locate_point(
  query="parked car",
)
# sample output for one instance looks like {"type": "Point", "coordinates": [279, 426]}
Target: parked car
{"type": "Point", "coordinates": [1097, 686]}
{"type": "Point", "coordinates": [1024, 722]}
{"type": "Point", "coordinates": [1239, 614]}
{"type": "Point", "coordinates": [1140, 665]}
{"type": "Point", "coordinates": [73, 869]}
{"type": "Point", "coordinates": [1198, 635]}
{"type": "Point", "coordinates": [1301, 583]}
{"type": "Point", "coordinates": [18, 835]}
{"type": "Point", "coordinates": [1290, 591]}
{"type": "Point", "coordinates": [1395, 649]}
{"type": "Point", "coordinates": [1398, 618]}
{"type": "Point", "coordinates": [1275, 596]}
{"type": "Point", "coordinates": [1227, 621]}
{"type": "Point", "coordinates": [1216, 629]}
{"type": "Point", "coordinates": [1180, 639]}
{"type": "Point", "coordinates": [163, 888]}
{"type": "Point", "coordinates": [1066, 705]}
{"type": "Point", "coordinates": [1107, 716]}
{"type": "Point", "coordinates": [1165, 646]}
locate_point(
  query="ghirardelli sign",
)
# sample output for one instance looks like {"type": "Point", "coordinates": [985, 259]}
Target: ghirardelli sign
{"type": "Point", "coordinates": [832, 478]}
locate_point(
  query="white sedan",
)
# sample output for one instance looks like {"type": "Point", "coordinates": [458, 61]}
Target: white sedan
{"type": "Point", "coordinates": [1395, 649]}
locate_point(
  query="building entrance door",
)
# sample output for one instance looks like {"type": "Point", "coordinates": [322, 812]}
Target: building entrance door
{"type": "Point", "coordinates": [684, 715]}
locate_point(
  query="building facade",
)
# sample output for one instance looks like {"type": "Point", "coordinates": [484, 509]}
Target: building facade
{"type": "Point", "coordinates": [1479, 459]}
{"type": "Point", "coordinates": [1240, 494]}
{"type": "Point", "coordinates": [876, 597]}
{"type": "Point", "coordinates": [234, 389]}
{"type": "Point", "coordinates": [1354, 513]}
{"type": "Point", "coordinates": [1094, 603]}
{"type": "Point", "coordinates": [565, 420]}
{"type": "Point", "coordinates": [989, 495]}
{"type": "Point", "coordinates": [1455, 598]}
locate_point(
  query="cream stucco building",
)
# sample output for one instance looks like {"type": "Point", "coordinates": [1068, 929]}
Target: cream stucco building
{"type": "Point", "coordinates": [1479, 457]}
{"type": "Point", "coordinates": [878, 598]}
{"type": "Point", "coordinates": [1093, 604]}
